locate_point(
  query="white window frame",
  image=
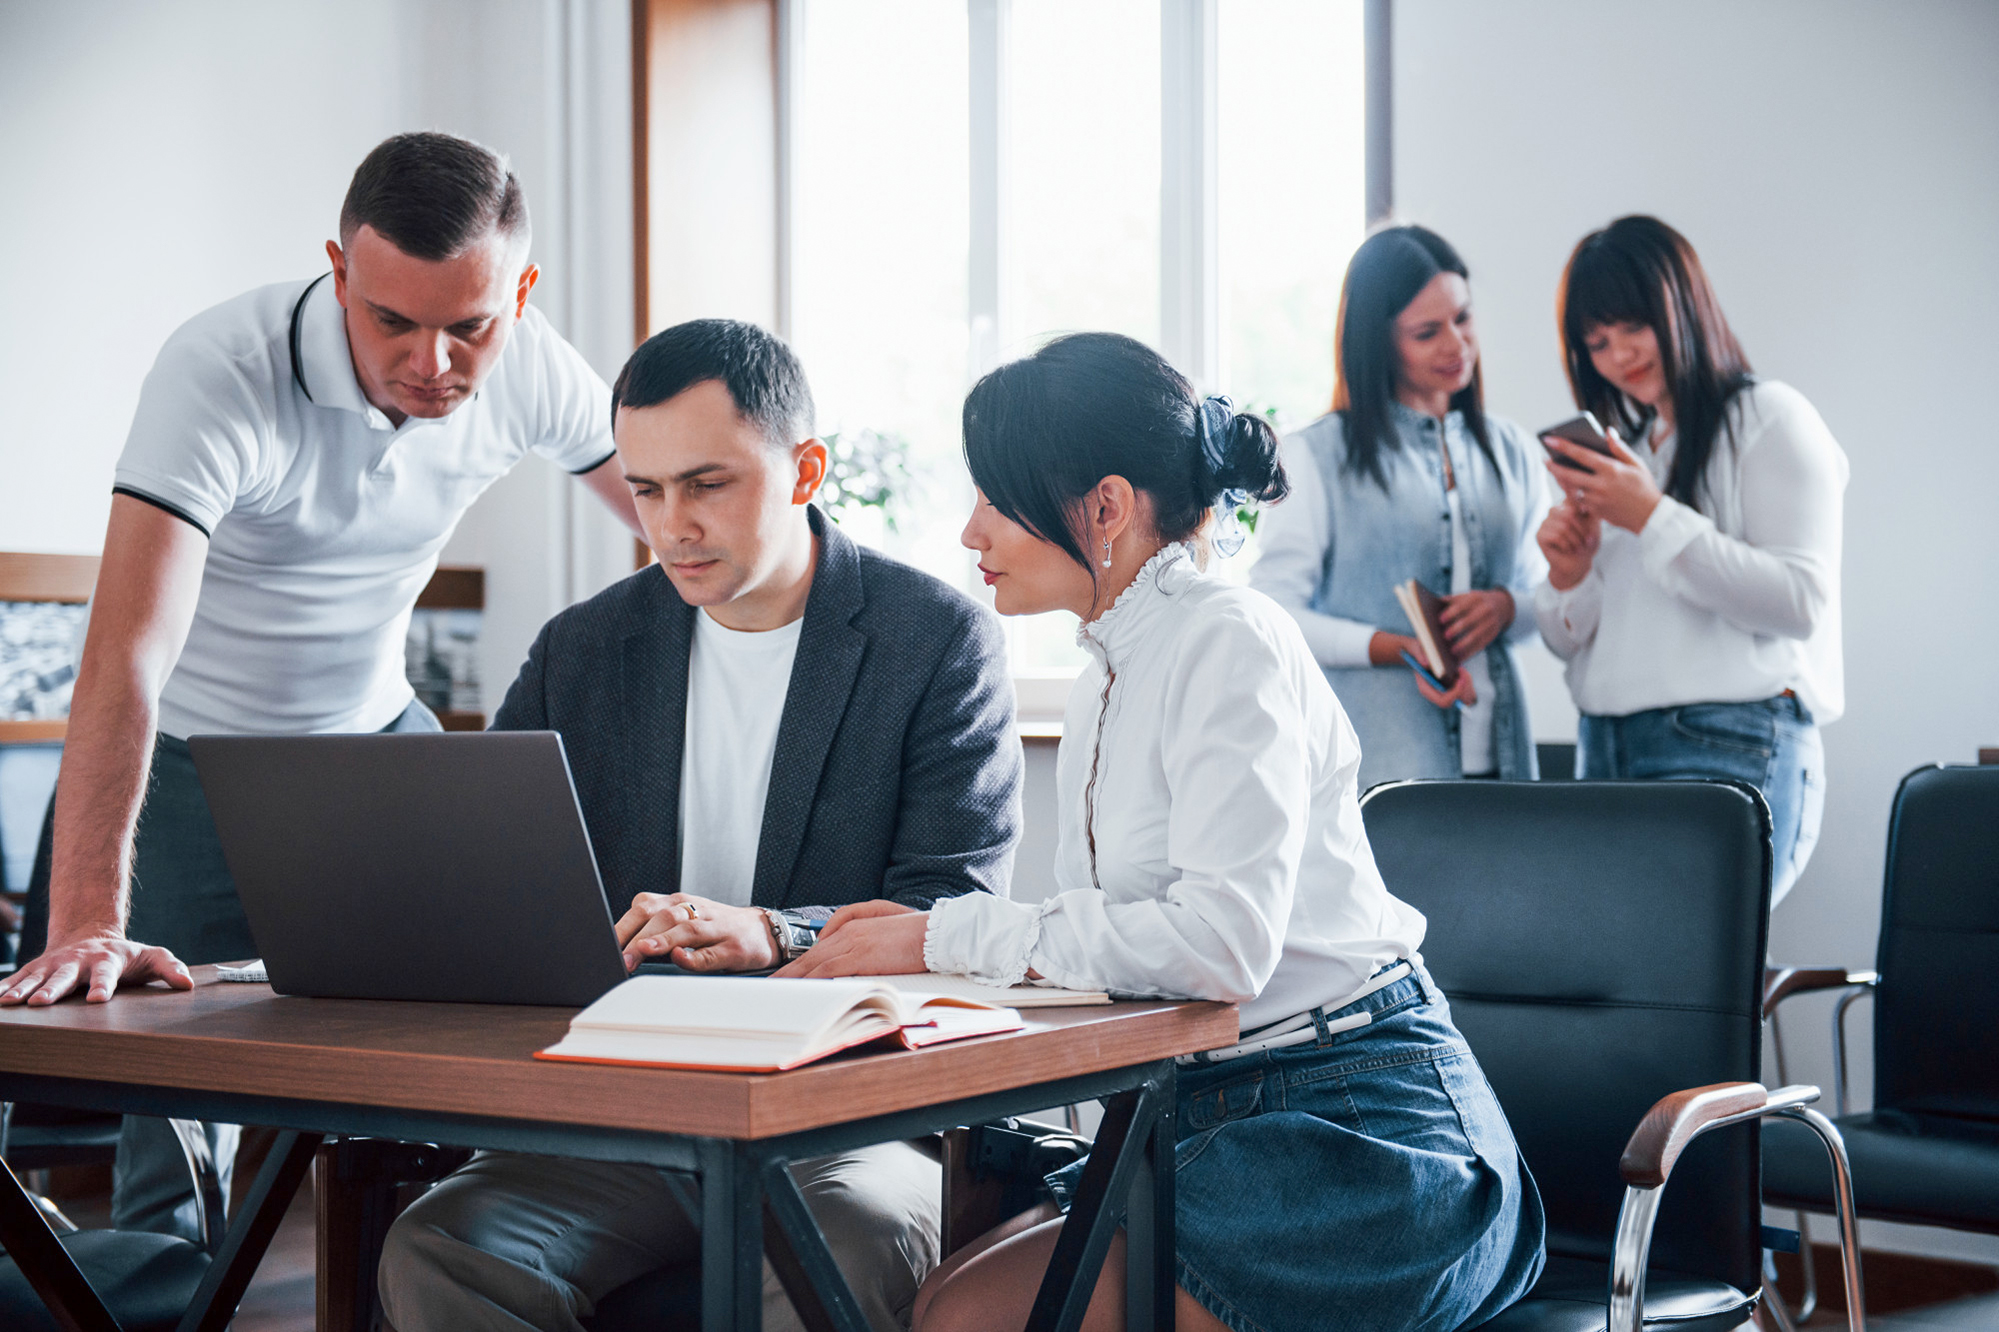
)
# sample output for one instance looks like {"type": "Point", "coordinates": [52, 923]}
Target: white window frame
{"type": "Point", "coordinates": [1190, 300]}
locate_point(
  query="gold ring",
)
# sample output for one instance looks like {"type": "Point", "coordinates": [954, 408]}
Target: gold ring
{"type": "Point", "coordinates": [693, 912]}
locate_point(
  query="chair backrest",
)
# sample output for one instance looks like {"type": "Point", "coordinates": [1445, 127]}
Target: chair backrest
{"type": "Point", "coordinates": [1602, 945]}
{"type": "Point", "coordinates": [1936, 1014]}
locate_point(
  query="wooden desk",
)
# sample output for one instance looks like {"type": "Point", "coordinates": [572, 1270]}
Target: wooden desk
{"type": "Point", "coordinates": [461, 1074]}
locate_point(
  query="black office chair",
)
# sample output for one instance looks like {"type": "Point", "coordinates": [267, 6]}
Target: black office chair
{"type": "Point", "coordinates": [1601, 944]}
{"type": "Point", "coordinates": [1928, 1152]}
{"type": "Point", "coordinates": [145, 1280]}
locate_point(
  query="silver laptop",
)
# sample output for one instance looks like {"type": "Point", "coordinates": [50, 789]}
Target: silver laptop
{"type": "Point", "coordinates": [413, 866]}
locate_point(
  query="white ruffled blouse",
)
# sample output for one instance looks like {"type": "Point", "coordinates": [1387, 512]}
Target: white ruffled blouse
{"type": "Point", "coordinates": [1210, 841]}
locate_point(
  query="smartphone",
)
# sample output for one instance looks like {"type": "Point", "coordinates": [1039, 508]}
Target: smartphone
{"type": "Point", "coordinates": [1417, 666]}
{"type": "Point", "coordinates": [1583, 430]}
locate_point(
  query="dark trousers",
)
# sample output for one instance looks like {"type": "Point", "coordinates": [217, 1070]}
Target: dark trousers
{"type": "Point", "coordinates": [184, 900]}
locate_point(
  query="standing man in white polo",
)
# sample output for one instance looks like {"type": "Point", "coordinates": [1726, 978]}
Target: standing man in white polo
{"type": "Point", "coordinates": [299, 456]}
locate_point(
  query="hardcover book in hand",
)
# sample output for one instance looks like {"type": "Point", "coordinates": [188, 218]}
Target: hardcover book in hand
{"type": "Point", "coordinates": [1425, 611]}
{"type": "Point", "coordinates": [746, 1024]}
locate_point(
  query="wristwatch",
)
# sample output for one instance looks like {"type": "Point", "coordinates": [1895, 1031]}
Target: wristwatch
{"type": "Point", "coordinates": [791, 934]}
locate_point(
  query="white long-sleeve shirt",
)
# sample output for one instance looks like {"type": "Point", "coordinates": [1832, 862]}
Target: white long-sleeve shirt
{"type": "Point", "coordinates": [1735, 601]}
{"type": "Point", "coordinates": [1217, 774]}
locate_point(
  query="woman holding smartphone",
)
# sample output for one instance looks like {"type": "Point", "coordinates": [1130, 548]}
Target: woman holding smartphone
{"type": "Point", "coordinates": [1408, 477]}
{"type": "Point", "coordinates": [1693, 577]}
{"type": "Point", "coordinates": [1345, 1164]}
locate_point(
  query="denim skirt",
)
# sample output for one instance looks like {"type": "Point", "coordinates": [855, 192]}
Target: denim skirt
{"type": "Point", "coordinates": [1366, 1182]}
{"type": "Point", "coordinates": [1770, 743]}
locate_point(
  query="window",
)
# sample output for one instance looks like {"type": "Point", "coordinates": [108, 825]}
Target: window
{"type": "Point", "coordinates": [1082, 210]}
{"type": "Point", "coordinates": [967, 180]}
{"type": "Point", "coordinates": [879, 219]}
{"type": "Point", "coordinates": [1291, 141]}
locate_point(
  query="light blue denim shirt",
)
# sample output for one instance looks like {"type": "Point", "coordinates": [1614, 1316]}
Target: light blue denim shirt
{"type": "Point", "coordinates": [1333, 553]}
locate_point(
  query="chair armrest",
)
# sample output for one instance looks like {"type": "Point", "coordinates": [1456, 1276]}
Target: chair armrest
{"type": "Point", "coordinates": [1780, 983]}
{"type": "Point", "coordinates": [1677, 1120]}
{"type": "Point", "coordinates": [1648, 1160]}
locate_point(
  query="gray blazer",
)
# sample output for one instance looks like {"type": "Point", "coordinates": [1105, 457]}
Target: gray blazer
{"type": "Point", "coordinates": [897, 772]}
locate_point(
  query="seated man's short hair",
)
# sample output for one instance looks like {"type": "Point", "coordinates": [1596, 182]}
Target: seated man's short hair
{"type": "Point", "coordinates": [762, 375]}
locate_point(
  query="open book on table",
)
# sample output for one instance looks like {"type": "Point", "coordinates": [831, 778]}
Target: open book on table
{"type": "Point", "coordinates": [1006, 996]}
{"type": "Point", "coordinates": [746, 1024]}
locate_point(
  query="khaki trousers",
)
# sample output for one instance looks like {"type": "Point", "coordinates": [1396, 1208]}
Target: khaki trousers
{"type": "Point", "coordinates": [516, 1242]}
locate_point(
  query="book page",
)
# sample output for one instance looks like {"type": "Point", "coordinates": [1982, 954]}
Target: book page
{"type": "Point", "coordinates": [920, 984]}
{"type": "Point", "coordinates": [735, 1005]}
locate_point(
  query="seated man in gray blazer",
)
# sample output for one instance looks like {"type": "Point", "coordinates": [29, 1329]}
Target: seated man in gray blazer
{"type": "Point", "coordinates": [769, 723]}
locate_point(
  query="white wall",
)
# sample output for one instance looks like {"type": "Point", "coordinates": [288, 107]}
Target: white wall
{"type": "Point", "coordinates": [159, 156]}
{"type": "Point", "coordinates": [1836, 163]}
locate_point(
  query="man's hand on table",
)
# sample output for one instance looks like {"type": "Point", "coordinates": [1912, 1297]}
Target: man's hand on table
{"type": "Point", "coordinates": [100, 961]}
{"type": "Point", "coordinates": [866, 939]}
{"type": "Point", "coordinates": [695, 933]}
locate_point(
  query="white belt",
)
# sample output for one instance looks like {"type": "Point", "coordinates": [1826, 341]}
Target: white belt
{"type": "Point", "coordinates": [1301, 1027]}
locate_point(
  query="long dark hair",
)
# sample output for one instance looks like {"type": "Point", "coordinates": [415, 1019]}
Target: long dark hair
{"type": "Point", "coordinates": [1384, 275]}
{"type": "Point", "coordinates": [1040, 433]}
{"type": "Point", "coordinates": [1638, 270]}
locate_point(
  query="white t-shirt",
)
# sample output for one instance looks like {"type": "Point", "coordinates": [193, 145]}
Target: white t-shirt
{"type": "Point", "coordinates": [324, 521]}
{"type": "Point", "coordinates": [736, 687]}
{"type": "Point", "coordinates": [1734, 601]}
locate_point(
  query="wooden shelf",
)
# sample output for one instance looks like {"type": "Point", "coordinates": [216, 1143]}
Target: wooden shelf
{"type": "Point", "coordinates": [454, 587]}
{"type": "Point", "coordinates": [32, 732]}
{"type": "Point", "coordinates": [40, 577]}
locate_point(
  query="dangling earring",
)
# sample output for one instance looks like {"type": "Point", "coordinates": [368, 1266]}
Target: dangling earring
{"type": "Point", "coordinates": [1107, 554]}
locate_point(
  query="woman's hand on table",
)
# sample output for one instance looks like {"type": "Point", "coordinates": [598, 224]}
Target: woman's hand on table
{"type": "Point", "coordinates": [1472, 620]}
{"type": "Point", "coordinates": [695, 933]}
{"type": "Point", "coordinates": [866, 939]}
{"type": "Point", "coordinates": [1618, 489]}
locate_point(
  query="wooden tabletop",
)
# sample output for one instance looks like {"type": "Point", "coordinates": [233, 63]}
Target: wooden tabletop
{"type": "Point", "coordinates": [475, 1059]}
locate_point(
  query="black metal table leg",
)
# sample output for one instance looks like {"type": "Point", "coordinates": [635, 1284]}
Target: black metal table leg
{"type": "Point", "coordinates": [1148, 1253]}
{"type": "Point", "coordinates": [1093, 1219]}
{"type": "Point", "coordinates": [56, 1278]}
{"type": "Point", "coordinates": [815, 1283]}
{"type": "Point", "coordinates": [277, 1182]}
{"type": "Point", "coordinates": [731, 1238]}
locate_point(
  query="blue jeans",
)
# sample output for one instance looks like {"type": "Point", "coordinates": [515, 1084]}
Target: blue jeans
{"type": "Point", "coordinates": [1367, 1181]}
{"type": "Point", "coordinates": [1772, 744]}
{"type": "Point", "coordinates": [184, 900]}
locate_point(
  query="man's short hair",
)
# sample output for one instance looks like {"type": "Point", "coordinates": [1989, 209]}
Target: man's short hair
{"type": "Point", "coordinates": [434, 196]}
{"type": "Point", "coordinates": [762, 375]}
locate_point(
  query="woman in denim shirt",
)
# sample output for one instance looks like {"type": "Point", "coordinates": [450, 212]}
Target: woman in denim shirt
{"type": "Point", "coordinates": [1407, 477]}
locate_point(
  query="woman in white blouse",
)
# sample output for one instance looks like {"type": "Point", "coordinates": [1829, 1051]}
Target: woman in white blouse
{"type": "Point", "coordinates": [1345, 1165]}
{"type": "Point", "coordinates": [1693, 582]}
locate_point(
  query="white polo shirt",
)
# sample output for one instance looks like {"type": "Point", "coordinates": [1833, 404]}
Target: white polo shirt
{"type": "Point", "coordinates": [324, 521]}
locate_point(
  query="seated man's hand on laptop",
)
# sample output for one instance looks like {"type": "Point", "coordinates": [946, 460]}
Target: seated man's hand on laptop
{"type": "Point", "coordinates": [866, 939]}
{"type": "Point", "coordinates": [695, 933]}
{"type": "Point", "coordinates": [97, 963]}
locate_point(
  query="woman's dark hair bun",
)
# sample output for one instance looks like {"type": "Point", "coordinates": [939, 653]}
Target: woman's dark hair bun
{"type": "Point", "coordinates": [1249, 460]}
{"type": "Point", "coordinates": [1041, 432]}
